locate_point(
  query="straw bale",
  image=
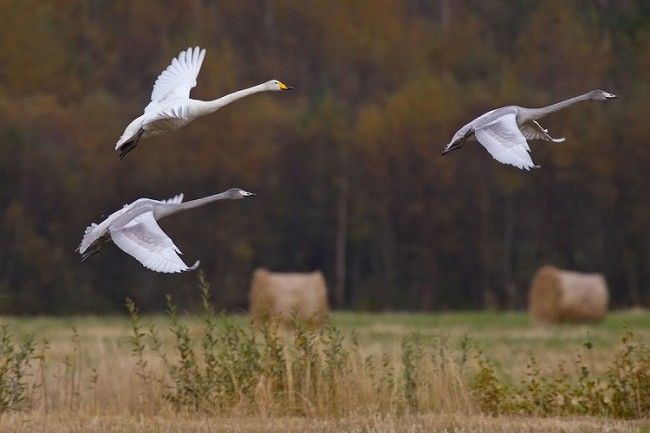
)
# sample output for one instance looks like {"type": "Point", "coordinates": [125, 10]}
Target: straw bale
{"type": "Point", "coordinates": [288, 295]}
{"type": "Point", "coordinates": [558, 295]}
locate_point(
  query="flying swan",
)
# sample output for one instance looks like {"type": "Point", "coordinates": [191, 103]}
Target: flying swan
{"type": "Point", "coordinates": [171, 107]}
{"type": "Point", "coordinates": [504, 131]}
{"type": "Point", "coordinates": [134, 230]}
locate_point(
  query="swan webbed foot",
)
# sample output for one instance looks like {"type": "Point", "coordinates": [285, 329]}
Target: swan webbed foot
{"type": "Point", "coordinates": [130, 145]}
{"type": "Point", "coordinates": [453, 147]}
{"type": "Point", "coordinates": [458, 144]}
{"type": "Point", "coordinates": [88, 253]}
{"type": "Point", "coordinates": [95, 247]}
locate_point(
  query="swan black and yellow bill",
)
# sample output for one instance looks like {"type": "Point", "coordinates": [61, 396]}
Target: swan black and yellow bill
{"type": "Point", "coordinates": [284, 86]}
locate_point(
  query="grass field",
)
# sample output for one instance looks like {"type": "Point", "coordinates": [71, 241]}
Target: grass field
{"type": "Point", "coordinates": [93, 384]}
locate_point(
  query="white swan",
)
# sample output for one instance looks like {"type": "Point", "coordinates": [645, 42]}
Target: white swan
{"type": "Point", "coordinates": [504, 131]}
{"type": "Point", "coordinates": [171, 107]}
{"type": "Point", "coordinates": [134, 229]}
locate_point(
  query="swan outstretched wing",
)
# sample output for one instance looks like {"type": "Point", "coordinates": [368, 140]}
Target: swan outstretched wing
{"type": "Point", "coordinates": [179, 78]}
{"type": "Point", "coordinates": [534, 131]}
{"type": "Point", "coordinates": [505, 142]}
{"type": "Point", "coordinates": [177, 199]}
{"type": "Point", "coordinates": [143, 239]}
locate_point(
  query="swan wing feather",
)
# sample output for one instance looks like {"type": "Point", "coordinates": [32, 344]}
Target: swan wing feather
{"type": "Point", "coordinates": [534, 131]}
{"type": "Point", "coordinates": [177, 199]}
{"type": "Point", "coordinates": [143, 239]}
{"type": "Point", "coordinates": [505, 142]}
{"type": "Point", "coordinates": [178, 78]}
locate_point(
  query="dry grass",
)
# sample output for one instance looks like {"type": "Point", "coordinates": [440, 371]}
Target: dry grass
{"type": "Point", "coordinates": [93, 385]}
{"type": "Point", "coordinates": [58, 423]}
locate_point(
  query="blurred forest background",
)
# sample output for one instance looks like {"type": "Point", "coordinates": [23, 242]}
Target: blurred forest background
{"type": "Point", "coordinates": [347, 168]}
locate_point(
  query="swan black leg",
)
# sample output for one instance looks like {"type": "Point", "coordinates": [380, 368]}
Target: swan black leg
{"type": "Point", "coordinates": [130, 145]}
{"type": "Point", "coordinates": [455, 146]}
{"type": "Point", "coordinates": [95, 247]}
{"type": "Point", "coordinates": [89, 252]}
{"type": "Point", "coordinates": [458, 144]}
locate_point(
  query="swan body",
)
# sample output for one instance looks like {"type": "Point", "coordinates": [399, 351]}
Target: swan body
{"type": "Point", "coordinates": [504, 131]}
{"type": "Point", "coordinates": [171, 107]}
{"type": "Point", "coordinates": [134, 229]}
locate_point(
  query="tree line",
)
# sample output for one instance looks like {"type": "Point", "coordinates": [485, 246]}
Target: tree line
{"type": "Point", "coordinates": [346, 169]}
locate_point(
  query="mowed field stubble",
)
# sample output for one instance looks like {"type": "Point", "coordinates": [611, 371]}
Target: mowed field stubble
{"type": "Point", "coordinates": [397, 372]}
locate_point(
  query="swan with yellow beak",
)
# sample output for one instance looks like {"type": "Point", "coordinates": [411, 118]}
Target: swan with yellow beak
{"type": "Point", "coordinates": [172, 108]}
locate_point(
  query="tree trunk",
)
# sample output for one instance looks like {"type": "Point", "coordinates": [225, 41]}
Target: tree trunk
{"type": "Point", "coordinates": [511, 292]}
{"type": "Point", "coordinates": [445, 13]}
{"type": "Point", "coordinates": [341, 231]}
{"type": "Point", "coordinates": [490, 300]}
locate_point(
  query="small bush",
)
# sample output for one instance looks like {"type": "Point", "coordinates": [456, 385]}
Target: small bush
{"type": "Point", "coordinates": [412, 354]}
{"type": "Point", "coordinates": [624, 392]}
{"type": "Point", "coordinates": [14, 361]}
{"type": "Point", "coordinates": [300, 370]}
{"type": "Point", "coordinates": [228, 368]}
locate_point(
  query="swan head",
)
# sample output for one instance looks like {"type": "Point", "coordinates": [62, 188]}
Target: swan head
{"type": "Point", "coordinates": [601, 95]}
{"type": "Point", "coordinates": [276, 86]}
{"type": "Point", "coordinates": [238, 194]}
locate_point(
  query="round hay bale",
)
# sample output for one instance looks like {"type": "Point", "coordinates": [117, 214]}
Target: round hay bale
{"type": "Point", "coordinates": [557, 295]}
{"type": "Point", "coordinates": [286, 296]}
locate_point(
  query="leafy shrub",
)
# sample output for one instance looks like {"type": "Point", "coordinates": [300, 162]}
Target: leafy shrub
{"type": "Point", "coordinates": [624, 391]}
{"type": "Point", "coordinates": [14, 360]}
{"type": "Point", "coordinates": [270, 369]}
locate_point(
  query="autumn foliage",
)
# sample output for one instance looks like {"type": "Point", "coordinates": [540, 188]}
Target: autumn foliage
{"type": "Point", "coordinates": [346, 169]}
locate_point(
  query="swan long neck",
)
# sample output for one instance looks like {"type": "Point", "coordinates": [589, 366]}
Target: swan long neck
{"type": "Point", "coordinates": [172, 208]}
{"type": "Point", "coordinates": [212, 106]}
{"type": "Point", "coordinates": [538, 113]}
